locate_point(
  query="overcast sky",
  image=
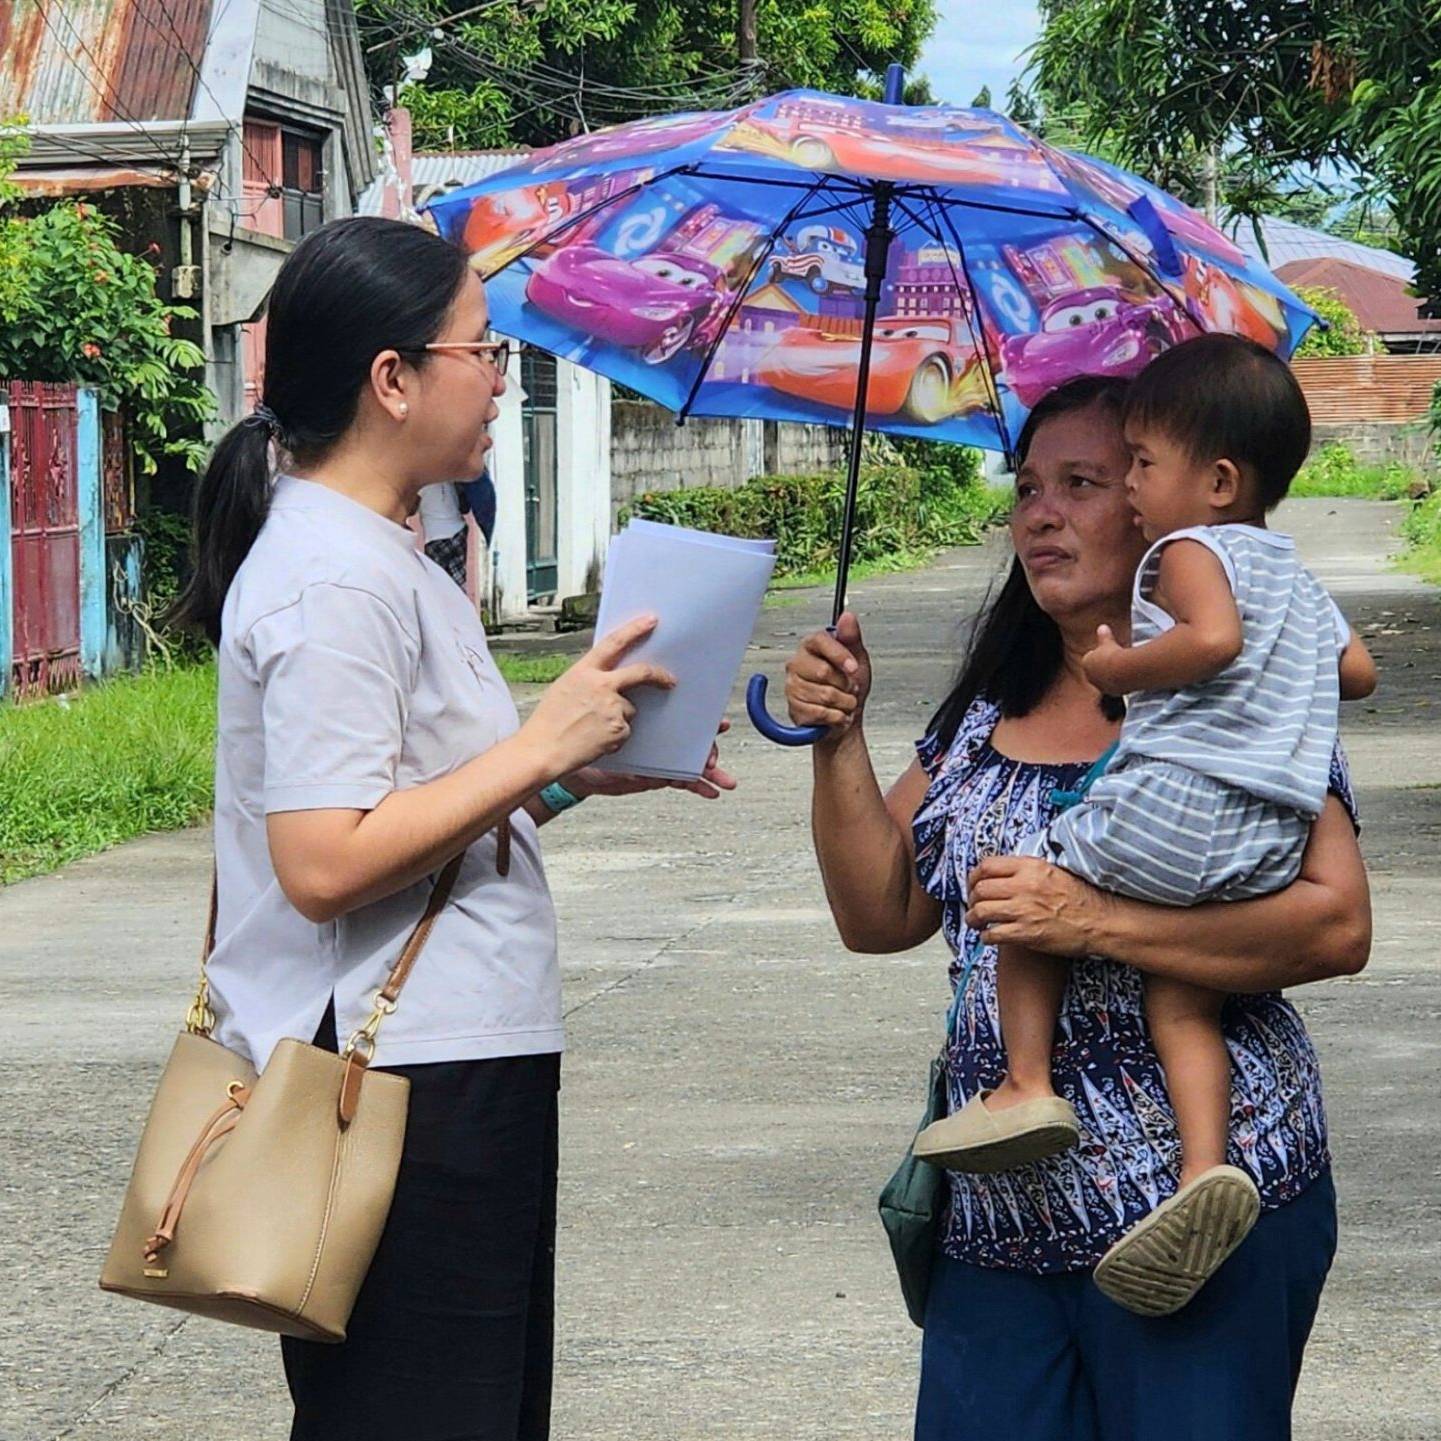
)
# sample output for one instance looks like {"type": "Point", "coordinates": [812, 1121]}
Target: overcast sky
{"type": "Point", "coordinates": [975, 43]}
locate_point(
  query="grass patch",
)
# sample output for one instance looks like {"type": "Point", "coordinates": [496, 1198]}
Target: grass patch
{"type": "Point", "coordinates": [1337, 472]}
{"type": "Point", "coordinates": [1422, 533]}
{"type": "Point", "coordinates": [116, 761]}
{"type": "Point", "coordinates": [531, 669]}
{"type": "Point", "coordinates": [861, 570]}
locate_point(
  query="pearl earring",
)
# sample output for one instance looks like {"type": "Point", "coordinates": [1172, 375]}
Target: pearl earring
{"type": "Point", "coordinates": [404, 409]}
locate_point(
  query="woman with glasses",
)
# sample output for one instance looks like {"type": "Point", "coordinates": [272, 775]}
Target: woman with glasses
{"type": "Point", "coordinates": [365, 739]}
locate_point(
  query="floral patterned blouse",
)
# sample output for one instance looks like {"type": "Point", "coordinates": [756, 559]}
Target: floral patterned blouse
{"type": "Point", "coordinates": [1061, 1214]}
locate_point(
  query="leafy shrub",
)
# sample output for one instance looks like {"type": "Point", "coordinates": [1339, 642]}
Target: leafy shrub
{"type": "Point", "coordinates": [1422, 533]}
{"type": "Point", "coordinates": [1344, 337]}
{"type": "Point", "coordinates": [902, 507]}
{"type": "Point", "coordinates": [1336, 471]}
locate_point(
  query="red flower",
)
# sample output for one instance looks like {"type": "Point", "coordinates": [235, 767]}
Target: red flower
{"type": "Point", "coordinates": [90, 350]}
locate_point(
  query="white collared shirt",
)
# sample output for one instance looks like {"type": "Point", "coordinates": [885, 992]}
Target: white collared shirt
{"type": "Point", "coordinates": [352, 666]}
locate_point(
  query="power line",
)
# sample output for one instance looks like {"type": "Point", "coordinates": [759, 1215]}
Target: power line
{"type": "Point", "coordinates": [717, 89]}
{"type": "Point", "coordinates": [200, 80]}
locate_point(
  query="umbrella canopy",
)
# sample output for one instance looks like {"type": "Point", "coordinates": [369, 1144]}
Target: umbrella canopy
{"type": "Point", "coordinates": [716, 262]}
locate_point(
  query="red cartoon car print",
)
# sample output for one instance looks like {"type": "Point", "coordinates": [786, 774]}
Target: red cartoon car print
{"type": "Point", "coordinates": [1089, 332]}
{"type": "Point", "coordinates": [837, 141]}
{"type": "Point", "coordinates": [923, 368]}
{"type": "Point", "coordinates": [1226, 303]}
{"type": "Point", "coordinates": [506, 224]}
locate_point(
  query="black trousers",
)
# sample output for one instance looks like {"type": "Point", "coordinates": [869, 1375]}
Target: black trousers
{"type": "Point", "coordinates": [452, 1336]}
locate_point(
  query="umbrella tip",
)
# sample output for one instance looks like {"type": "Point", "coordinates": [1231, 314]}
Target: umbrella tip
{"type": "Point", "coordinates": [895, 84]}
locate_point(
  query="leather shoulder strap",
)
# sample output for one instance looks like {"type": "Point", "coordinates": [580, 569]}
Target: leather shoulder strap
{"type": "Point", "coordinates": [439, 895]}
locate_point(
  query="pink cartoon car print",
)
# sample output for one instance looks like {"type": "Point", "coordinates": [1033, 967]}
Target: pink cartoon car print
{"type": "Point", "coordinates": [657, 304]}
{"type": "Point", "coordinates": [637, 138]}
{"type": "Point", "coordinates": [1089, 332]}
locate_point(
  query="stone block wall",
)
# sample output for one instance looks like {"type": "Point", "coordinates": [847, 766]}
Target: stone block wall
{"type": "Point", "coordinates": [1379, 442]}
{"type": "Point", "coordinates": [649, 451]}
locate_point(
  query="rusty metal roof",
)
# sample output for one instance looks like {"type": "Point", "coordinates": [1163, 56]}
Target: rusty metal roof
{"type": "Point", "coordinates": [1380, 302]}
{"type": "Point", "coordinates": [100, 61]}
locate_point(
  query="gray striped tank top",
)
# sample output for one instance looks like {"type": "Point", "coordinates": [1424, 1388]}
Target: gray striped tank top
{"type": "Point", "coordinates": [1267, 723]}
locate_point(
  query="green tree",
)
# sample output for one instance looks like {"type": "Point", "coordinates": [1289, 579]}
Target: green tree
{"type": "Point", "coordinates": [508, 72]}
{"type": "Point", "coordinates": [75, 307]}
{"type": "Point", "coordinates": [1351, 83]}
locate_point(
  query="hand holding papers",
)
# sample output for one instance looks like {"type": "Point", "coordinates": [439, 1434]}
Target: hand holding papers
{"type": "Point", "coordinates": [706, 591]}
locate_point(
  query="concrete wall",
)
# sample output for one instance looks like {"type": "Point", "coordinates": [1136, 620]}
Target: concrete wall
{"type": "Point", "coordinates": [1377, 442]}
{"type": "Point", "coordinates": [649, 451]}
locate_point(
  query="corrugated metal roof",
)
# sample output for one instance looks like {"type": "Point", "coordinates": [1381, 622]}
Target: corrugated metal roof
{"type": "Point", "coordinates": [1380, 302]}
{"type": "Point", "coordinates": [99, 61]}
{"type": "Point", "coordinates": [1286, 241]}
{"type": "Point", "coordinates": [437, 172]}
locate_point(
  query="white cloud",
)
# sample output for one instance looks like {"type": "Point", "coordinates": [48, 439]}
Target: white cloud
{"type": "Point", "coordinates": [975, 43]}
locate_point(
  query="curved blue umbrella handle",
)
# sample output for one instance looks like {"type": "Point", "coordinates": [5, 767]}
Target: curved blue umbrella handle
{"type": "Point", "coordinates": [771, 729]}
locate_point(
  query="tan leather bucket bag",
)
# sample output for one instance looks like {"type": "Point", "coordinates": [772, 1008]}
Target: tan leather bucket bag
{"type": "Point", "coordinates": [260, 1199]}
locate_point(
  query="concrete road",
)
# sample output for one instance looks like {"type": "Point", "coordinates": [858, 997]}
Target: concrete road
{"type": "Point", "coordinates": [736, 1090]}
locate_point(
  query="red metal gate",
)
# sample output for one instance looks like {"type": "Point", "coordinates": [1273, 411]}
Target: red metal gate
{"type": "Point", "coordinates": [45, 530]}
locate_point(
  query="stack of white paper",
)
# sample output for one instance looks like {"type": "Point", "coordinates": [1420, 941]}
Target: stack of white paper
{"type": "Point", "coordinates": [707, 592]}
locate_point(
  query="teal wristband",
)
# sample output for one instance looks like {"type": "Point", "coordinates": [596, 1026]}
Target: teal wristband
{"type": "Point", "coordinates": [555, 798]}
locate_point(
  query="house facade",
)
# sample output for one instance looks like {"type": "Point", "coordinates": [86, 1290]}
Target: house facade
{"type": "Point", "coordinates": [220, 130]}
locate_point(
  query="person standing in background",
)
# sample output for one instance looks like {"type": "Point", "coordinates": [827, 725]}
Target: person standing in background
{"type": "Point", "coordinates": [442, 519]}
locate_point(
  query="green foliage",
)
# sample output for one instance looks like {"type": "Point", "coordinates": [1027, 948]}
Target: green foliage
{"type": "Point", "coordinates": [1336, 471]}
{"type": "Point", "coordinates": [537, 73]}
{"type": "Point", "coordinates": [75, 307]}
{"type": "Point", "coordinates": [166, 567]}
{"type": "Point", "coordinates": [901, 509]}
{"type": "Point", "coordinates": [1343, 335]}
{"type": "Point", "coordinates": [1422, 533]}
{"type": "Point", "coordinates": [1436, 419]}
{"type": "Point", "coordinates": [531, 669]}
{"type": "Point", "coordinates": [1269, 88]}
{"type": "Point", "coordinates": [83, 773]}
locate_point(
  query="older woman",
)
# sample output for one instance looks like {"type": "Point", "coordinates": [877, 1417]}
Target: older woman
{"type": "Point", "coordinates": [1018, 1341]}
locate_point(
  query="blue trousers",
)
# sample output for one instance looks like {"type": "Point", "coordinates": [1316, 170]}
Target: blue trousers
{"type": "Point", "coordinates": [1014, 1356]}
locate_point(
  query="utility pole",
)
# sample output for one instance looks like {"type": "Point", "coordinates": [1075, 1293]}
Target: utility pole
{"type": "Point", "coordinates": [1211, 173]}
{"type": "Point", "coordinates": [746, 33]}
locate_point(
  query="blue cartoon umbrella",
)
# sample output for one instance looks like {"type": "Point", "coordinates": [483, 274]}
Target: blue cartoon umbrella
{"type": "Point", "coordinates": [923, 271]}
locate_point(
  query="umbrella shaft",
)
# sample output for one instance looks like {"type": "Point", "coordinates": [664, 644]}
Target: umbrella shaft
{"type": "Point", "coordinates": [878, 244]}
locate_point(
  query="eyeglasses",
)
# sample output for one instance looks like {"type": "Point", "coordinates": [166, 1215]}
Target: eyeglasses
{"type": "Point", "coordinates": [497, 352]}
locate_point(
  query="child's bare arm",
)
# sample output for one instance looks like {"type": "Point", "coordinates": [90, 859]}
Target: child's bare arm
{"type": "Point", "coordinates": [1358, 670]}
{"type": "Point", "coordinates": [1192, 588]}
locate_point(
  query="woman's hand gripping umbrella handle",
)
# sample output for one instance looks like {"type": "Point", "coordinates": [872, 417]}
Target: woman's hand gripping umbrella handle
{"type": "Point", "coordinates": [772, 729]}
{"type": "Point", "coordinates": [827, 682]}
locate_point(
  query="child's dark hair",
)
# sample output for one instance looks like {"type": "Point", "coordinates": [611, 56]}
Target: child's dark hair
{"type": "Point", "coordinates": [1226, 397]}
{"type": "Point", "coordinates": [348, 291]}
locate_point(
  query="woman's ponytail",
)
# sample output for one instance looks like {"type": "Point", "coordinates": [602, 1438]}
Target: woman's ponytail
{"type": "Point", "coordinates": [231, 503]}
{"type": "Point", "coordinates": [348, 291]}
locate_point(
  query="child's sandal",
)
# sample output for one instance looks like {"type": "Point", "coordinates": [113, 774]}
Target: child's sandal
{"type": "Point", "coordinates": [1162, 1261]}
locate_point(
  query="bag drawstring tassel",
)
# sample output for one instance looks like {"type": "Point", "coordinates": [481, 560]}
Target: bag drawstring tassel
{"type": "Point", "coordinates": [219, 1125]}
